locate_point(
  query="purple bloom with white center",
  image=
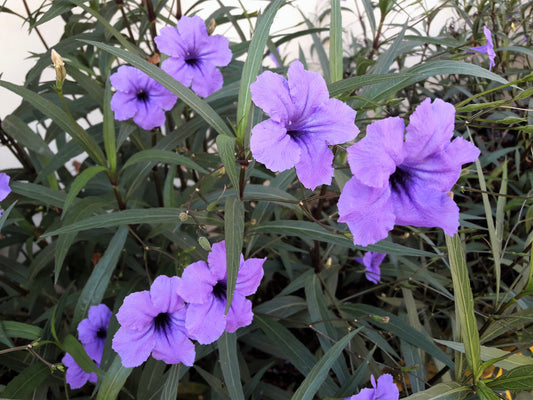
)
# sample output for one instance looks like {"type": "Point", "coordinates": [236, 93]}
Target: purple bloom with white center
{"type": "Point", "coordinates": [4, 187]}
{"type": "Point", "coordinates": [372, 262]}
{"type": "Point", "coordinates": [92, 332]}
{"type": "Point", "coordinates": [385, 389]}
{"type": "Point", "coordinates": [140, 97]}
{"type": "Point", "coordinates": [153, 322]}
{"type": "Point", "coordinates": [487, 48]}
{"type": "Point", "coordinates": [203, 286]}
{"type": "Point", "coordinates": [405, 180]}
{"type": "Point", "coordinates": [194, 55]}
{"type": "Point", "coordinates": [303, 122]}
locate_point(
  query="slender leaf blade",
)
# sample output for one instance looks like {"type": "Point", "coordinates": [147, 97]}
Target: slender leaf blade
{"type": "Point", "coordinates": [234, 230]}
{"type": "Point", "coordinates": [227, 349]}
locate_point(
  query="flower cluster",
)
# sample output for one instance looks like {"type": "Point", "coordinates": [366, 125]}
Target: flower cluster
{"type": "Point", "coordinates": [303, 122]}
{"type": "Point", "coordinates": [405, 179]}
{"type": "Point", "coordinates": [92, 333]}
{"type": "Point", "coordinates": [162, 321]}
{"type": "Point", "coordinates": [372, 262]}
{"type": "Point", "coordinates": [385, 389]}
{"type": "Point", "coordinates": [487, 48]}
{"type": "Point", "coordinates": [4, 187]}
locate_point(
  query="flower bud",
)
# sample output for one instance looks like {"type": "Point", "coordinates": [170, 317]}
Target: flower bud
{"type": "Point", "coordinates": [59, 66]}
{"type": "Point", "coordinates": [211, 27]}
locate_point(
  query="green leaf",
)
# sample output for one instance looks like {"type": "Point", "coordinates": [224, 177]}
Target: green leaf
{"type": "Point", "coordinates": [486, 393]}
{"type": "Point", "coordinates": [356, 82]}
{"type": "Point", "coordinates": [226, 149]}
{"type": "Point", "coordinates": [42, 194]}
{"type": "Point", "coordinates": [227, 349]}
{"type": "Point", "coordinates": [21, 132]}
{"type": "Point", "coordinates": [251, 67]}
{"type": "Point", "coordinates": [443, 391]}
{"type": "Point", "coordinates": [234, 230]}
{"type": "Point", "coordinates": [520, 378]}
{"type": "Point", "coordinates": [335, 42]}
{"type": "Point", "coordinates": [163, 156]}
{"type": "Point", "coordinates": [316, 377]}
{"type": "Point", "coordinates": [114, 379]}
{"type": "Point", "coordinates": [190, 98]}
{"type": "Point", "coordinates": [109, 129]}
{"type": "Point", "coordinates": [79, 183]}
{"type": "Point", "coordinates": [22, 385]}
{"type": "Point", "coordinates": [170, 387]}
{"type": "Point", "coordinates": [21, 330]}
{"type": "Point", "coordinates": [96, 285]}
{"type": "Point", "coordinates": [464, 303]}
{"type": "Point", "coordinates": [72, 346]}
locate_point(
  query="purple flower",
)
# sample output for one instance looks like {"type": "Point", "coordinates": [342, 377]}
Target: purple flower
{"type": "Point", "coordinates": [372, 262]}
{"type": "Point", "coordinates": [488, 48]}
{"type": "Point", "coordinates": [154, 322]}
{"type": "Point", "coordinates": [194, 55]}
{"type": "Point", "coordinates": [92, 333]}
{"type": "Point", "coordinates": [303, 121]}
{"type": "Point", "coordinates": [385, 389]}
{"type": "Point", "coordinates": [203, 286]}
{"type": "Point", "coordinates": [405, 181]}
{"type": "Point", "coordinates": [4, 187]}
{"type": "Point", "coordinates": [140, 97]}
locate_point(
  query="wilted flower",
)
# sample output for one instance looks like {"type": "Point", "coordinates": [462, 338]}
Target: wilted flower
{"type": "Point", "coordinates": [303, 121]}
{"type": "Point", "coordinates": [92, 333]}
{"type": "Point", "coordinates": [194, 55]}
{"type": "Point", "coordinates": [59, 66]}
{"type": "Point", "coordinates": [385, 389]}
{"type": "Point", "coordinates": [154, 322]}
{"type": "Point", "coordinates": [405, 181]}
{"type": "Point", "coordinates": [487, 48]}
{"type": "Point", "coordinates": [140, 97]}
{"type": "Point", "coordinates": [372, 262]}
{"type": "Point", "coordinates": [203, 286]}
{"type": "Point", "coordinates": [4, 187]}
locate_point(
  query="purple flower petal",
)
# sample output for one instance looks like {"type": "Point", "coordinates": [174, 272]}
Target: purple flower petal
{"type": "Point", "coordinates": [315, 165]}
{"type": "Point", "coordinates": [386, 389]}
{"type": "Point", "coordinates": [270, 92]}
{"type": "Point", "coordinates": [240, 313]}
{"type": "Point", "coordinates": [171, 43]}
{"type": "Point", "coordinates": [206, 322]}
{"type": "Point", "coordinates": [364, 394]}
{"type": "Point", "coordinates": [124, 105]}
{"type": "Point", "coordinates": [164, 294]}
{"type": "Point", "coordinates": [371, 167]}
{"type": "Point", "coordinates": [75, 376]}
{"type": "Point", "coordinates": [174, 346]}
{"type": "Point", "coordinates": [217, 261]}
{"type": "Point", "coordinates": [196, 284]}
{"type": "Point", "coordinates": [488, 48]}
{"type": "Point", "coordinates": [134, 346]}
{"type": "Point", "coordinates": [137, 311]}
{"type": "Point", "coordinates": [215, 51]}
{"type": "Point", "coordinates": [92, 331]}
{"type": "Point", "coordinates": [372, 262]}
{"type": "Point", "coordinates": [207, 79]}
{"type": "Point", "coordinates": [249, 276]}
{"type": "Point", "coordinates": [4, 186]}
{"type": "Point", "coordinates": [179, 70]}
{"type": "Point", "coordinates": [367, 211]}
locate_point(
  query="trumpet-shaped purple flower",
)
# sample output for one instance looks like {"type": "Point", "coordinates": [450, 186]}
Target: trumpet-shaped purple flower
{"type": "Point", "coordinates": [372, 262]}
{"type": "Point", "coordinates": [194, 55]}
{"type": "Point", "coordinates": [154, 322]}
{"type": "Point", "coordinates": [385, 389]}
{"type": "Point", "coordinates": [92, 332]}
{"type": "Point", "coordinates": [487, 48]}
{"type": "Point", "coordinates": [140, 97]}
{"type": "Point", "coordinates": [203, 286]}
{"type": "Point", "coordinates": [4, 187]}
{"type": "Point", "coordinates": [405, 181]}
{"type": "Point", "coordinates": [303, 121]}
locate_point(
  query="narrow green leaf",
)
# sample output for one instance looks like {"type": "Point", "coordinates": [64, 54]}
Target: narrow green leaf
{"type": "Point", "coordinates": [369, 13]}
{"type": "Point", "coordinates": [251, 67]}
{"type": "Point", "coordinates": [464, 303]}
{"type": "Point", "coordinates": [355, 82]}
{"type": "Point", "coordinates": [96, 285]}
{"type": "Point", "coordinates": [485, 393]}
{"type": "Point", "coordinates": [5, 214]}
{"type": "Point", "coordinates": [226, 149]}
{"type": "Point", "coordinates": [72, 346]}
{"type": "Point", "coordinates": [443, 391]}
{"type": "Point", "coordinates": [234, 230]}
{"type": "Point", "coordinates": [520, 378]}
{"type": "Point", "coordinates": [21, 132]}
{"type": "Point", "coordinates": [39, 193]}
{"type": "Point", "coordinates": [21, 330]}
{"type": "Point", "coordinates": [170, 387]}
{"type": "Point", "coordinates": [499, 226]}
{"type": "Point", "coordinates": [214, 383]}
{"type": "Point", "coordinates": [109, 129]}
{"type": "Point", "coordinates": [114, 379]}
{"type": "Point", "coordinates": [22, 385]}
{"type": "Point", "coordinates": [185, 94]}
{"type": "Point", "coordinates": [162, 156]}
{"type": "Point", "coordinates": [227, 349]}
{"type": "Point", "coordinates": [335, 42]}
{"type": "Point", "coordinates": [316, 377]}
{"type": "Point", "coordinates": [79, 183]}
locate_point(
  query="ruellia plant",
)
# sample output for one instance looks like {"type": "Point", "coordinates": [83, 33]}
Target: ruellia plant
{"type": "Point", "coordinates": [207, 208]}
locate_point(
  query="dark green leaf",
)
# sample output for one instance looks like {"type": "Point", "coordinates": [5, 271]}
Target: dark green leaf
{"type": "Point", "coordinates": [72, 346]}
{"type": "Point", "coordinates": [520, 378]}
{"type": "Point", "coordinates": [162, 156]}
{"type": "Point", "coordinates": [227, 349]}
{"type": "Point", "coordinates": [234, 230]}
{"type": "Point", "coordinates": [22, 385]}
{"type": "Point", "coordinates": [114, 379]}
{"type": "Point", "coordinates": [226, 149]}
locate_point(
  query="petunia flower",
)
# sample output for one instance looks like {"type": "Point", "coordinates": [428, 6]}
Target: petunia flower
{"type": "Point", "coordinates": [153, 322]}
{"type": "Point", "coordinates": [372, 262]}
{"type": "Point", "coordinates": [194, 55]}
{"type": "Point", "coordinates": [4, 187]}
{"type": "Point", "coordinates": [385, 389]}
{"type": "Point", "coordinates": [140, 97]}
{"type": "Point", "coordinates": [487, 48]}
{"type": "Point", "coordinates": [92, 333]}
{"type": "Point", "coordinates": [203, 286]}
{"type": "Point", "coordinates": [405, 180]}
{"type": "Point", "coordinates": [303, 122]}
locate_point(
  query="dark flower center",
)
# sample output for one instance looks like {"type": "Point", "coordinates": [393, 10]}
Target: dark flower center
{"type": "Point", "coordinates": [101, 333]}
{"type": "Point", "coordinates": [191, 59]}
{"type": "Point", "coordinates": [399, 180]}
{"type": "Point", "coordinates": [162, 322]}
{"type": "Point", "coordinates": [142, 95]}
{"type": "Point", "coordinates": [219, 290]}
